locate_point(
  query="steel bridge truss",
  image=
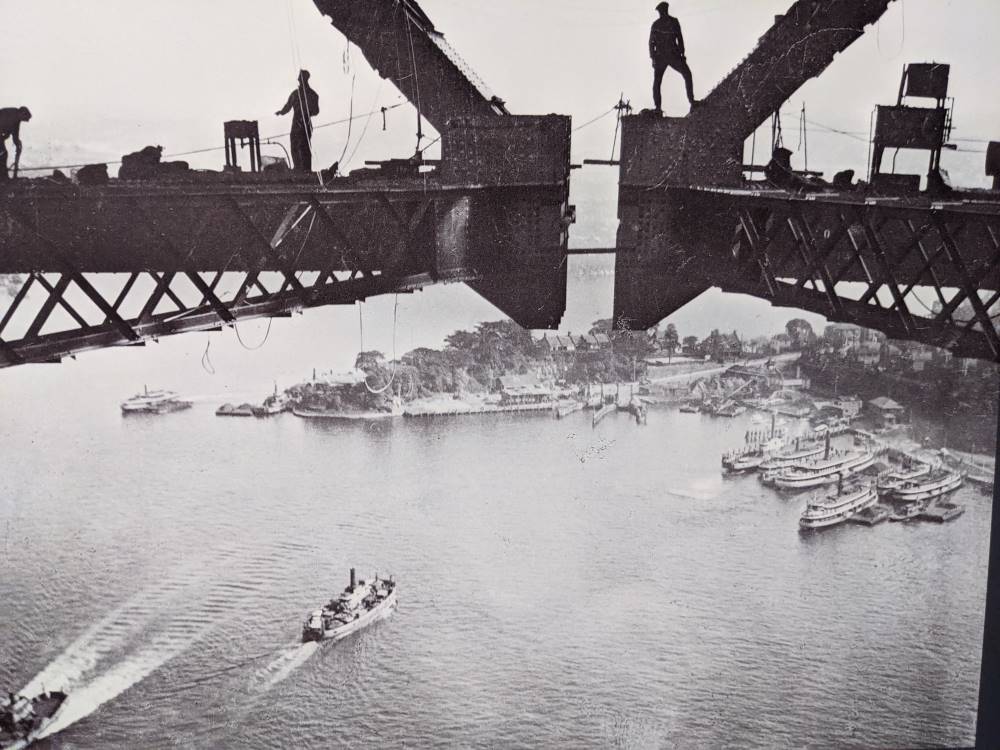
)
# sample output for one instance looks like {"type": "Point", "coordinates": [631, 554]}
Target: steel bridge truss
{"type": "Point", "coordinates": [302, 249]}
{"type": "Point", "coordinates": [928, 275]}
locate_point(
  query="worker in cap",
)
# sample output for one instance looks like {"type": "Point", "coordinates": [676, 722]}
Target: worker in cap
{"type": "Point", "coordinates": [303, 103]}
{"type": "Point", "coordinates": [666, 49]}
{"type": "Point", "coordinates": [10, 127]}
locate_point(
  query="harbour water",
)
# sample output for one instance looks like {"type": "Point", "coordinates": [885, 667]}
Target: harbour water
{"type": "Point", "coordinates": [559, 586]}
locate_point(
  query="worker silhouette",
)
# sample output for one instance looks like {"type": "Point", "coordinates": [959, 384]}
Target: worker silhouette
{"type": "Point", "coordinates": [666, 49]}
{"type": "Point", "coordinates": [303, 103]}
{"type": "Point", "coordinates": [10, 127]}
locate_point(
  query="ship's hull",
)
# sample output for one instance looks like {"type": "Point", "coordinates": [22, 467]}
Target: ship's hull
{"type": "Point", "coordinates": [866, 499]}
{"type": "Point", "coordinates": [379, 612]}
{"type": "Point", "coordinates": [928, 490]}
{"type": "Point", "coordinates": [826, 476]}
{"type": "Point", "coordinates": [155, 408]}
{"type": "Point", "coordinates": [899, 478]}
{"type": "Point", "coordinates": [779, 462]}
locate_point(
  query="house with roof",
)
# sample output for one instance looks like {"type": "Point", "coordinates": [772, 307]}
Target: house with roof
{"type": "Point", "coordinates": [522, 389]}
{"type": "Point", "coordinates": [885, 412]}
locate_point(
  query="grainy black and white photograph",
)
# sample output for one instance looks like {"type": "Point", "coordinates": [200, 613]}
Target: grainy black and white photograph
{"type": "Point", "coordinates": [499, 374]}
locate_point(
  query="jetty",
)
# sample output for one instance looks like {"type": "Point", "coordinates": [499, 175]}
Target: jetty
{"type": "Point", "coordinates": [941, 512]}
{"type": "Point", "coordinates": [604, 411]}
{"type": "Point", "coordinates": [565, 409]}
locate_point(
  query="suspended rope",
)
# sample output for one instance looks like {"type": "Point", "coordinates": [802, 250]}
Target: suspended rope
{"type": "Point", "coordinates": [267, 333]}
{"type": "Point", "coordinates": [350, 112]}
{"type": "Point", "coordinates": [430, 144]}
{"type": "Point", "coordinates": [304, 111]}
{"type": "Point", "coordinates": [622, 107]}
{"type": "Point", "coordinates": [804, 137]}
{"type": "Point", "coordinates": [591, 122]}
{"type": "Point", "coordinates": [206, 362]}
{"type": "Point", "coordinates": [416, 83]}
{"type": "Point", "coordinates": [364, 130]}
{"type": "Point", "coordinates": [392, 375]}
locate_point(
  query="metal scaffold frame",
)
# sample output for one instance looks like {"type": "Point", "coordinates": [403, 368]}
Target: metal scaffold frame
{"type": "Point", "coordinates": [193, 297]}
{"type": "Point", "coordinates": [795, 256]}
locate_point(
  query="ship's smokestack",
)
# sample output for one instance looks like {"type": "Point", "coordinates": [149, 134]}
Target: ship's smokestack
{"type": "Point", "coordinates": [353, 579]}
{"type": "Point", "coordinates": [827, 453]}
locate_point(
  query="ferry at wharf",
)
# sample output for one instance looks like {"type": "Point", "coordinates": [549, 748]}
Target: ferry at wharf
{"type": "Point", "coordinates": [790, 457]}
{"type": "Point", "coordinates": [830, 468]}
{"type": "Point", "coordinates": [359, 605]}
{"type": "Point", "coordinates": [837, 507]}
{"type": "Point", "coordinates": [751, 459]}
{"type": "Point", "coordinates": [938, 483]}
{"type": "Point", "coordinates": [897, 478]}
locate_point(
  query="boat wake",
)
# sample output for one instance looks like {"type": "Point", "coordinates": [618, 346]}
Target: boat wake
{"type": "Point", "coordinates": [86, 699]}
{"type": "Point", "coordinates": [153, 627]}
{"type": "Point", "coordinates": [291, 658]}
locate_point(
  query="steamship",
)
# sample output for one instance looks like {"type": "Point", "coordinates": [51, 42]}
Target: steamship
{"type": "Point", "coordinates": [359, 605]}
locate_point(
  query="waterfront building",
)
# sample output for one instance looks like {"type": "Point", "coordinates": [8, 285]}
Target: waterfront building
{"type": "Point", "coordinates": [522, 389]}
{"type": "Point", "coordinates": [885, 411]}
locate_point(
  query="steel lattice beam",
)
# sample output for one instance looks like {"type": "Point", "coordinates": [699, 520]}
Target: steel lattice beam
{"type": "Point", "coordinates": [929, 273]}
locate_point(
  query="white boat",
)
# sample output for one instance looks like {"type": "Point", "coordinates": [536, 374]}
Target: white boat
{"type": "Point", "coordinates": [937, 484]}
{"type": "Point", "coordinates": [359, 605]}
{"type": "Point", "coordinates": [900, 477]}
{"type": "Point", "coordinates": [907, 512]}
{"type": "Point", "coordinates": [823, 471]}
{"type": "Point", "coordinates": [154, 402]}
{"type": "Point", "coordinates": [24, 720]}
{"type": "Point", "coordinates": [751, 459]}
{"type": "Point", "coordinates": [829, 510]}
{"type": "Point", "coordinates": [792, 455]}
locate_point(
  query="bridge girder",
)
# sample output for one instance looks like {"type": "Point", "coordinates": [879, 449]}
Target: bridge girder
{"type": "Point", "coordinates": [688, 222]}
{"type": "Point", "coordinates": [493, 213]}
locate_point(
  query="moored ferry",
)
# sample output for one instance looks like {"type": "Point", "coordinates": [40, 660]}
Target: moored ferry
{"type": "Point", "coordinates": [154, 402]}
{"type": "Point", "coordinates": [359, 605]}
{"type": "Point", "coordinates": [838, 506]}
{"type": "Point", "coordinates": [907, 512]}
{"type": "Point", "coordinates": [824, 471]}
{"type": "Point", "coordinates": [934, 485]}
{"type": "Point", "coordinates": [751, 459]}
{"type": "Point", "coordinates": [23, 720]}
{"type": "Point", "coordinates": [901, 476]}
{"type": "Point", "coordinates": [793, 455]}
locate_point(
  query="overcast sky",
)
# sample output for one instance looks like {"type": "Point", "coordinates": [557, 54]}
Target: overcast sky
{"type": "Point", "coordinates": [109, 77]}
{"type": "Point", "coordinates": [112, 76]}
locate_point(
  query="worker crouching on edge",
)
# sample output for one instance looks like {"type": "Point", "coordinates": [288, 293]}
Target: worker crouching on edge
{"type": "Point", "coordinates": [10, 126]}
{"type": "Point", "coordinates": [304, 104]}
{"type": "Point", "coordinates": [666, 49]}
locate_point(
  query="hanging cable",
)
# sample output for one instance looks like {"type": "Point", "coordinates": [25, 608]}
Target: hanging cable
{"type": "Point", "coordinates": [591, 122]}
{"type": "Point", "coordinates": [304, 110]}
{"type": "Point", "coordinates": [361, 326]}
{"type": "Point", "coordinates": [429, 145]}
{"type": "Point", "coordinates": [269, 139]}
{"type": "Point", "coordinates": [871, 130]}
{"type": "Point", "coordinates": [267, 333]}
{"type": "Point", "coordinates": [350, 111]}
{"type": "Point", "coordinates": [804, 137]}
{"type": "Point", "coordinates": [364, 130]}
{"type": "Point", "coordinates": [392, 375]}
{"type": "Point", "coordinates": [416, 82]}
{"type": "Point", "coordinates": [206, 362]}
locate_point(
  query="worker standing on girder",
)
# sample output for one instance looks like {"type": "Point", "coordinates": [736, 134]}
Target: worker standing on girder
{"type": "Point", "coordinates": [10, 126]}
{"type": "Point", "coordinates": [304, 104]}
{"type": "Point", "coordinates": [666, 49]}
